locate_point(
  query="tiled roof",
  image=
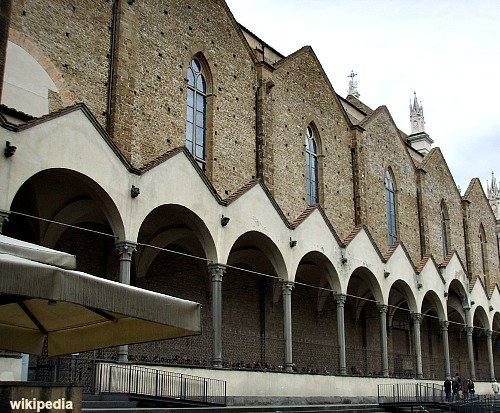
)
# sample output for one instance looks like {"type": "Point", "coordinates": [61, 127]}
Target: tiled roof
{"type": "Point", "coordinates": [302, 217]}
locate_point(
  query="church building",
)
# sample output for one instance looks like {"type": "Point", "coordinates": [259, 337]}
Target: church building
{"type": "Point", "coordinates": [319, 238]}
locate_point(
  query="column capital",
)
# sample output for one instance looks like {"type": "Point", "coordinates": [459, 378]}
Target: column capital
{"type": "Point", "coordinates": [340, 298]}
{"type": "Point", "coordinates": [126, 247]}
{"type": "Point", "coordinates": [216, 271]}
{"type": "Point", "coordinates": [444, 325]}
{"type": "Point", "coordinates": [383, 308]}
{"type": "Point", "coordinates": [287, 286]}
{"type": "Point", "coordinates": [469, 330]}
{"type": "Point", "coordinates": [416, 317]}
{"type": "Point", "coordinates": [488, 334]}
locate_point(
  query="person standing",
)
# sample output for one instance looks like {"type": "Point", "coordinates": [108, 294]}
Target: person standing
{"type": "Point", "coordinates": [471, 390]}
{"type": "Point", "coordinates": [447, 389]}
{"type": "Point", "coordinates": [454, 387]}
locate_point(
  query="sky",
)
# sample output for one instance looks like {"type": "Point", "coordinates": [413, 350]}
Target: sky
{"type": "Point", "coordinates": [447, 51]}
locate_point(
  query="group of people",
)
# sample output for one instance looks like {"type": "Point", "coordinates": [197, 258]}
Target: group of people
{"type": "Point", "coordinates": [455, 389]}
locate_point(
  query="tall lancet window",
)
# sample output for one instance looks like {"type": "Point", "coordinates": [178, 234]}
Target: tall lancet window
{"type": "Point", "coordinates": [443, 215]}
{"type": "Point", "coordinates": [312, 193]}
{"type": "Point", "coordinates": [390, 199]}
{"type": "Point", "coordinates": [484, 256]}
{"type": "Point", "coordinates": [196, 113]}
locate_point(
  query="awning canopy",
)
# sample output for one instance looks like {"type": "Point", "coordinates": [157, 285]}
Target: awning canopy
{"type": "Point", "coordinates": [77, 311]}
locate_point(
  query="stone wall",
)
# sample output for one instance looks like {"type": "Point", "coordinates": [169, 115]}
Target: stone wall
{"type": "Point", "coordinates": [438, 186]}
{"type": "Point", "coordinates": [380, 147]}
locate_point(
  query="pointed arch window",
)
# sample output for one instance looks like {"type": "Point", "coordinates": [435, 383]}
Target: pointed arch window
{"type": "Point", "coordinates": [484, 256]}
{"type": "Point", "coordinates": [196, 112]}
{"type": "Point", "coordinates": [443, 215]}
{"type": "Point", "coordinates": [312, 192]}
{"type": "Point", "coordinates": [390, 199]}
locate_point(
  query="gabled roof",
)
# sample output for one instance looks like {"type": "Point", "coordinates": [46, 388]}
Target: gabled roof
{"type": "Point", "coordinates": [433, 153]}
{"type": "Point", "coordinates": [63, 112]}
{"type": "Point", "coordinates": [308, 50]}
{"type": "Point", "coordinates": [354, 101]}
{"type": "Point", "coordinates": [354, 233]}
{"type": "Point", "coordinates": [474, 184]}
{"type": "Point", "coordinates": [237, 27]}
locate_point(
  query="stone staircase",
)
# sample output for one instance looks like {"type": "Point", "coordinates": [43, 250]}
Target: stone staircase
{"type": "Point", "coordinates": [118, 404]}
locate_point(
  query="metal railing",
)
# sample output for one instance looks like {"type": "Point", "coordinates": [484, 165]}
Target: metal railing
{"type": "Point", "coordinates": [411, 393]}
{"type": "Point", "coordinates": [477, 404]}
{"type": "Point", "coordinates": [143, 381]}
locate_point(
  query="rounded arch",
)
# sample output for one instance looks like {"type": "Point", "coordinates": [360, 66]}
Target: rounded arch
{"type": "Point", "coordinates": [432, 302]}
{"type": "Point", "coordinates": [173, 224]}
{"type": "Point", "coordinates": [62, 195]}
{"type": "Point", "coordinates": [317, 271]}
{"type": "Point", "coordinates": [400, 292]}
{"type": "Point", "coordinates": [480, 317]}
{"type": "Point", "coordinates": [254, 244]}
{"type": "Point", "coordinates": [363, 284]}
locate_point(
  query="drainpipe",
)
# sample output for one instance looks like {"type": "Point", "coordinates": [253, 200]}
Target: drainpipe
{"type": "Point", "coordinates": [5, 8]}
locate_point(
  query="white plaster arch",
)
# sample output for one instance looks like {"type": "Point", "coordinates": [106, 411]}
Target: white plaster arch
{"type": "Point", "coordinates": [266, 246]}
{"type": "Point", "coordinates": [73, 212]}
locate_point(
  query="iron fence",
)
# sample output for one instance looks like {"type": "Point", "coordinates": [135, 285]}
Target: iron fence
{"type": "Point", "coordinates": [139, 380]}
{"type": "Point", "coordinates": [411, 393]}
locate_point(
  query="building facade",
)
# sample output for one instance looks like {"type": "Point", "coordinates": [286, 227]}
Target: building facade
{"type": "Point", "coordinates": [318, 236]}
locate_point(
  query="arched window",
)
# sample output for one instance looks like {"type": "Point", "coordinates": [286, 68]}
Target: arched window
{"type": "Point", "coordinates": [312, 193]}
{"type": "Point", "coordinates": [196, 113]}
{"type": "Point", "coordinates": [390, 199]}
{"type": "Point", "coordinates": [484, 256]}
{"type": "Point", "coordinates": [443, 215]}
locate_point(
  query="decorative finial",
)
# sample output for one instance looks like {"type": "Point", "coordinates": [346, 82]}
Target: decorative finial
{"type": "Point", "coordinates": [353, 85]}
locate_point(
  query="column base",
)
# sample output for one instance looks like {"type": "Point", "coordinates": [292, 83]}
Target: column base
{"type": "Point", "coordinates": [289, 368]}
{"type": "Point", "coordinates": [343, 371]}
{"type": "Point", "coordinates": [217, 364]}
{"type": "Point", "coordinates": [122, 354]}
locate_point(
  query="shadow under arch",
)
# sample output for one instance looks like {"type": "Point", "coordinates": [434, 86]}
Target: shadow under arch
{"type": "Point", "coordinates": [65, 196]}
{"type": "Point", "coordinates": [252, 310]}
{"type": "Point", "coordinates": [172, 224]}
{"type": "Point", "coordinates": [314, 305]}
{"type": "Point", "coordinates": [362, 323]}
{"type": "Point", "coordinates": [433, 313]}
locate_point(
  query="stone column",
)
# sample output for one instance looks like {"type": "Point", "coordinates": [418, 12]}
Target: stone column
{"type": "Point", "coordinates": [216, 272]}
{"type": "Point", "coordinates": [470, 351]}
{"type": "Point", "coordinates": [382, 308]}
{"type": "Point", "coordinates": [340, 300]}
{"type": "Point", "coordinates": [417, 318]}
{"type": "Point", "coordinates": [446, 348]}
{"type": "Point", "coordinates": [125, 249]}
{"type": "Point", "coordinates": [286, 288]}
{"type": "Point", "coordinates": [489, 346]}
{"type": "Point", "coordinates": [4, 216]}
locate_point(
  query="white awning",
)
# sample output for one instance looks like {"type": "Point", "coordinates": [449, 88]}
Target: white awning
{"type": "Point", "coordinates": [77, 311]}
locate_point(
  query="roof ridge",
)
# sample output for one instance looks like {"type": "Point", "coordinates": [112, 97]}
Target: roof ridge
{"type": "Point", "coordinates": [242, 190]}
{"type": "Point", "coordinates": [303, 215]}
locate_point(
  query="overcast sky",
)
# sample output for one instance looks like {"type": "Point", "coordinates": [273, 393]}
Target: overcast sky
{"type": "Point", "coordinates": [447, 51]}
